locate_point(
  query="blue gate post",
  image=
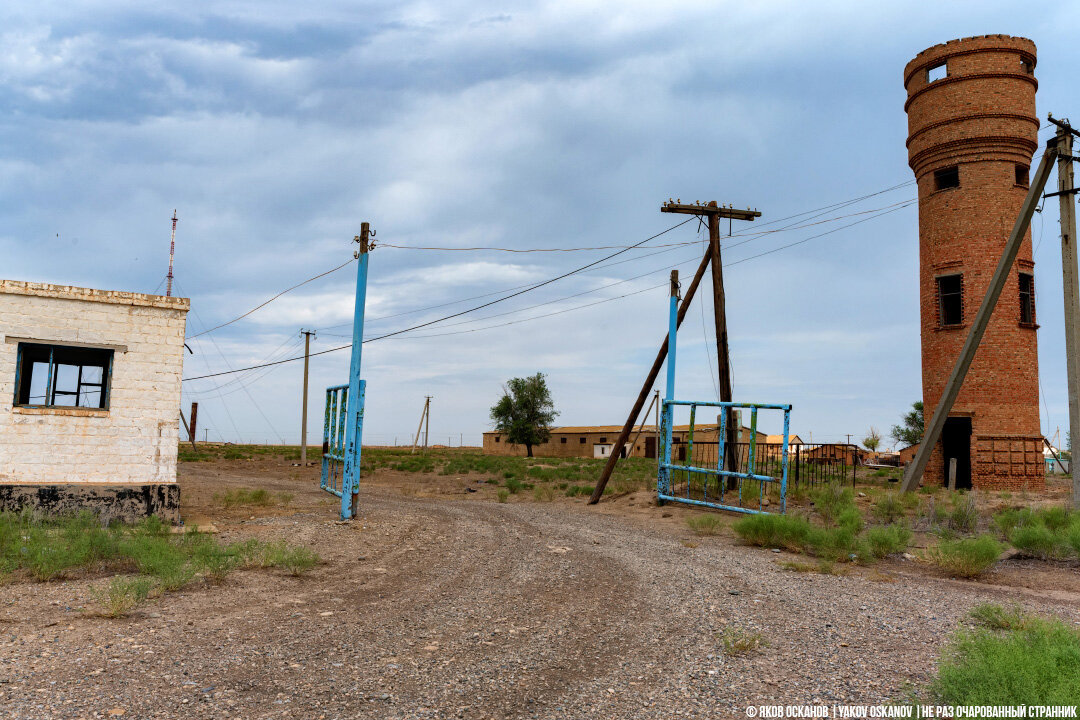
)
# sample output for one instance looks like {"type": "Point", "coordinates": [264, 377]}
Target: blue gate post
{"type": "Point", "coordinates": [664, 481]}
{"type": "Point", "coordinates": [350, 481]}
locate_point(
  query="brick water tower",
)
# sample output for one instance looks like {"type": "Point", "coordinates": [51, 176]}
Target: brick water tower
{"type": "Point", "coordinates": [972, 130]}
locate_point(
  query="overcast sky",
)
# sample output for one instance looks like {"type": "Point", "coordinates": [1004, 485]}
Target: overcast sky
{"type": "Point", "coordinates": [275, 128]}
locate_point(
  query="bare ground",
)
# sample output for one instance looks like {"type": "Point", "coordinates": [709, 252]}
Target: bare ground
{"type": "Point", "coordinates": [442, 603]}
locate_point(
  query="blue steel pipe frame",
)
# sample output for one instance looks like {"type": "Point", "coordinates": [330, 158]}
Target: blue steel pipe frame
{"type": "Point", "coordinates": [343, 425]}
{"type": "Point", "coordinates": [666, 467]}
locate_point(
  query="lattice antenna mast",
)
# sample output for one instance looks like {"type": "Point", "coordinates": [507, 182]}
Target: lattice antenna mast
{"type": "Point", "coordinates": [172, 251]}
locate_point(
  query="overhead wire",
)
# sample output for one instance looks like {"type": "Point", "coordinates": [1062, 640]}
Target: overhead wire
{"type": "Point", "coordinates": [748, 232]}
{"type": "Point", "coordinates": [264, 304]}
{"type": "Point", "coordinates": [880, 212]}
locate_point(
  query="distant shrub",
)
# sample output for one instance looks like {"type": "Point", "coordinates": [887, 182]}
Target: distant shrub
{"type": "Point", "coordinates": [503, 494]}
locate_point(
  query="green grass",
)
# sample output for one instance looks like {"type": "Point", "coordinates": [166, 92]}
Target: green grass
{"type": "Point", "coordinates": [122, 595]}
{"type": "Point", "coordinates": [1010, 659]}
{"type": "Point", "coordinates": [737, 641]}
{"type": "Point", "coordinates": [1046, 533]}
{"type": "Point", "coordinates": [503, 494]}
{"type": "Point", "coordinates": [831, 501]}
{"type": "Point", "coordinates": [247, 496]}
{"type": "Point", "coordinates": [968, 557]}
{"type": "Point", "coordinates": [846, 539]}
{"type": "Point", "coordinates": [707, 524]}
{"type": "Point", "coordinates": [997, 617]}
{"type": "Point", "coordinates": [48, 549]}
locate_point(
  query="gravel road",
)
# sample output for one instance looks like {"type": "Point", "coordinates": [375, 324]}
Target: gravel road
{"type": "Point", "coordinates": [435, 609]}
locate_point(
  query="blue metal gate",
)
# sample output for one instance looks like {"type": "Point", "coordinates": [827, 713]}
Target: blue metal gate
{"type": "Point", "coordinates": [335, 420]}
{"type": "Point", "coordinates": [722, 486]}
{"type": "Point", "coordinates": [695, 493]}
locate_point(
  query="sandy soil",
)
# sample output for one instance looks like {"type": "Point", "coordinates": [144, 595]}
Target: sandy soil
{"type": "Point", "coordinates": [440, 602]}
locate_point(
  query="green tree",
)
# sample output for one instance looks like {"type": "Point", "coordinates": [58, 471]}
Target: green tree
{"type": "Point", "coordinates": [911, 431]}
{"type": "Point", "coordinates": [872, 440]}
{"type": "Point", "coordinates": [525, 412]}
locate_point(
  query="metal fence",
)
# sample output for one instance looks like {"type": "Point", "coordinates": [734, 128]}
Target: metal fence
{"type": "Point", "coordinates": [808, 465]}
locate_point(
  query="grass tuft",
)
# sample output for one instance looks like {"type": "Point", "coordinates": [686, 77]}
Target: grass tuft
{"type": "Point", "coordinates": [967, 558]}
{"type": "Point", "coordinates": [706, 524]}
{"type": "Point", "coordinates": [737, 641]}
{"type": "Point", "coordinates": [122, 595]}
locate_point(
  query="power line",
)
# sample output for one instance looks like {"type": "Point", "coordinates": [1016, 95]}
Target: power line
{"type": "Point", "coordinates": [241, 317]}
{"type": "Point", "coordinates": [523, 250]}
{"type": "Point", "coordinates": [900, 206]}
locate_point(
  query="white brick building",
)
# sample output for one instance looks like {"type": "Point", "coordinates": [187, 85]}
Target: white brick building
{"type": "Point", "coordinates": [89, 394]}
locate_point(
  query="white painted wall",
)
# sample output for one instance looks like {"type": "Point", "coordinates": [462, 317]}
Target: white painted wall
{"type": "Point", "coordinates": [135, 439]}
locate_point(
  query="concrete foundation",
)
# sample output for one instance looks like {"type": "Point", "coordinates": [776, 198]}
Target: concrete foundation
{"type": "Point", "coordinates": [127, 503]}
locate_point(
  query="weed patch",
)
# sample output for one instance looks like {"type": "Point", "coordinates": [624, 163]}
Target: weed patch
{"type": "Point", "coordinates": [737, 641]}
{"type": "Point", "coordinates": [1013, 659]}
{"type": "Point", "coordinates": [707, 524]}
{"type": "Point", "coordinates": [122, 595]}
{"type": "Point", "coordinates": [967, 558]}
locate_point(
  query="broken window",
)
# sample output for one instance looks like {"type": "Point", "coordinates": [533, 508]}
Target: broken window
{"type": "Point", "coordinates": [498, 439]}
{"type": "Point", "coordinates": [562, 440]}
{"type": "Point", "coordinates": [947, 178]}
{"type": "Point", "coordinates": [581, 440]}
{"type": "Point", "coordinates": [1022, 175]}
{"type": "Point", "coordinates": [950, 299]}
{"type": "Point", "coordinates": [62, 376]}
{"type": "Point", "coordinates": [603, 439]}
{"type": "Point", "coordinates": [937, 72]}
{"type": "Point", "coordinates": [1027, 299]}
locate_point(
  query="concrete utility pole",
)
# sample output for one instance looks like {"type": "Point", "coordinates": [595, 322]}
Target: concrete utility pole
{"type": "Point", "coordinates": [913, 474]}
{"type": "Point", "coordinates": [712, 257]}
{"type": "Point", "coordinates": [303, 408]}
{"type": "Point", "coordinates": [1070, 283]}
{"type": "Point", "coordinates": [427, 421]}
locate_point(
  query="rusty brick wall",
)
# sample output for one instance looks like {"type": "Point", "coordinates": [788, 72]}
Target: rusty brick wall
{"type": "Point", "coordinates": [135, 439]}
{"type": "Point", "coordinates": [981, 118]}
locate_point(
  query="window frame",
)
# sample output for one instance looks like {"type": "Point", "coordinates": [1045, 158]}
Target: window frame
{"type": "Point", "coordinates": [26, 357]}
{"type": "Point", "coordinates": [932, 76]}
{"type": "Point", "coordinates": [1022, 175]}
{"type": "Point", "coordinates": [944, 172]}
{"type": "Point", "coordinates": [941, 300]}
{"type": "Point", "coordinates": [1029, 305]}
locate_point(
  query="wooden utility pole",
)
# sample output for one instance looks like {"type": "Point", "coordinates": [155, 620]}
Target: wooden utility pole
{"type": "Point", "coordinates": [1071, 284]}
{"type": "Point", "coordinates": [194, 422]}
{"type": "Point", "coordinates": [723, 360]}
{"type": "Point", "coordinates": [187, 428]}
{"type": "Point", "coordinates": [712, 257]}
{"type": "Point", "coordinates": [913, 474]}
{"type": "Point", "coordinates": [303, 408]}
{"type": "Point", "coordinates": [423, 418]}
{"type": "Point", "coordinates": [427, 421]}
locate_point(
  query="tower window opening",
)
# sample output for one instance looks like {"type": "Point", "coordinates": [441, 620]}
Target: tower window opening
{"type": "Point", "coordinates": [1027, 299]}
{"type": "Point", "coordinates": [1022, 175]}
{"type": "Point", "coordinates": [1027, 67]}
{"type": "Point", "coordinates": [950, 300]}
{"type": "Point", "coordinates": [947, 178]}
{"type": "Point", "coordinates": [937, 72]}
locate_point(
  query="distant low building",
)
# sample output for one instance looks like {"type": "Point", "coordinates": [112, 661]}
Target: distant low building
{"type": "Point", "coordinates": [598, 441]}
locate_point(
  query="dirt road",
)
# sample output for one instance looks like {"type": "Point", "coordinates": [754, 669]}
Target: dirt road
{"type": "Point", "coordinates": [438, 608]}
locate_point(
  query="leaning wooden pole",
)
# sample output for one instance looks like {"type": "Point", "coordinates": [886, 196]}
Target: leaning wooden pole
{"type": "Point", "coordinates": [616, 450]}
{"type": "Point", "coordinates": [914, 473]}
